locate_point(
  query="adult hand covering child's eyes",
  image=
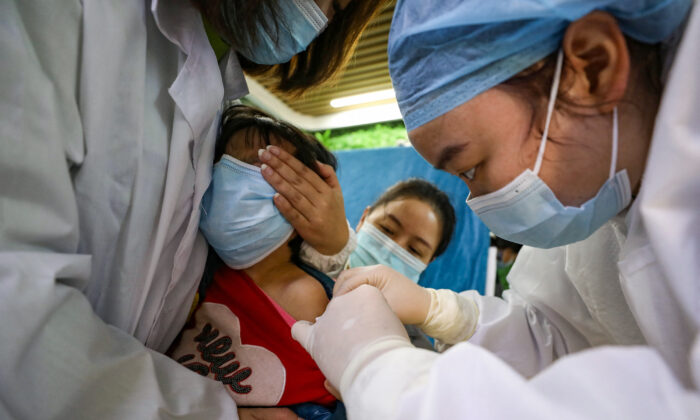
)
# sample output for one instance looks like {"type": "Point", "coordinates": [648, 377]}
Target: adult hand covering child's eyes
{"type": "Point", "coordinates": [312, 204]}
{"type": "Point", "coordinates": [354, 330]}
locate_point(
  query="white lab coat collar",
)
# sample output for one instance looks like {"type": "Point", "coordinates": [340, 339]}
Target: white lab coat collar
{"type": "Point", "coordinates": [235, 86]}
{"type": "Point", "coordinates": [177, 20]}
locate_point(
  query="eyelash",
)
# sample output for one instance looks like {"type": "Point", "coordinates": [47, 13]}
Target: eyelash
{"type": "Point", "coordinates": [415, 251]}
{"type": "Point", "coordinates": [411, 249]}
{"type": "Point", "coordinates": [468, 175]}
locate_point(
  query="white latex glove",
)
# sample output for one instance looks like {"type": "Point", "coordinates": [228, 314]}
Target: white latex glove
{"type": "Point", "coordinates": [409, 301]}
{"type": "Point", "coordinates": [355, 329]}
{"type": "Point", "coordinates": [442, 314]}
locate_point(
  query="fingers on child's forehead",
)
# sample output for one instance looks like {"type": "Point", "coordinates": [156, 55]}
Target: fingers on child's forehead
{"type": "Point", "coordinates": [290, 160]}
{"type": "Point", "coordinates": [285, 146]}
{"type": "Point", "coordinates": [280, 144]}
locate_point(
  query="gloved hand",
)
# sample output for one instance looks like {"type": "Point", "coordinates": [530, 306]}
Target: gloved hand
{"type": "Point", "coordinates": [442, 314]}
{"type": "Point", "coordinates": [312, 204]}
{"type": "Point", "coordinates": [409, 301]}
{"type": "Point", "coordinates": [355, 329]}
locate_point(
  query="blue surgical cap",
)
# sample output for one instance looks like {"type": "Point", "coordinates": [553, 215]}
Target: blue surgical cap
{"type": "Point", "coordinates": [442, 53]}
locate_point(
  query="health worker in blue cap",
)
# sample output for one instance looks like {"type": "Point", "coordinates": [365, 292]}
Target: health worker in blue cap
{"type": "Point", "coordinates": [576, 126]}
{"type": "Point", "coordinates": [109, 114]}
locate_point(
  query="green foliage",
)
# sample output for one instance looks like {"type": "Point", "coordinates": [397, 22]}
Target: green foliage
{"type": "Point", "coordinates": [364, 137]}
{"type": "Point", "coordinates": [217, 43]}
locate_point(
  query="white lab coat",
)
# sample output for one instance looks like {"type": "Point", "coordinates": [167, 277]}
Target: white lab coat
{"type": "Point", "coordinates": [560, 302]}
{"type": "Point", "coordinates": [108, 120]}
{"type": "Point", "coordinates": [635, 281]}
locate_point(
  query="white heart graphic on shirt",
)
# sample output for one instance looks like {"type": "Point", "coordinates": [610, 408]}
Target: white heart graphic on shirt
{"type": "Point", "coordinates": [253, 375]}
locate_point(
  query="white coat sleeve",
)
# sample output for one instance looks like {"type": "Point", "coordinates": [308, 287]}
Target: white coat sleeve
{"type": "Point", "coordinates": [331, 265]}
{"type": "Point", "coordinates": [542, 318]}
{"type": "Point", "coordinates": [519, 333]}
{"type": "Point", "coordinates": [58, 359]}
{"type": "Point", "coordinates": [469, 382]}
{"type": "Point", "coordinates": [523, 335]}
{"type": "Point", "coordinates": [559, 304]}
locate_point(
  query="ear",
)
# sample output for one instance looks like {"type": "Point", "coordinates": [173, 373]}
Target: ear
{"type": "Point", "coordinates": [362, 219]}
{"type": "Point", "coordinates": [598, 62]}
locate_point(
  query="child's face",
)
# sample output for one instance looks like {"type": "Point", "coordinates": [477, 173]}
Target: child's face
{"type": "Point", "coordinates": [247, 151]}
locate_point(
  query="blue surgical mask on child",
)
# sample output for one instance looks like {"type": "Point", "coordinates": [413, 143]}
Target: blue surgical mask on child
{"type": "Point", "coordinates": [301, 21]}
{"type": "Point", "coordinates": [239, 218]}
{"type": "Point", "coordinates": [526, 211]}
{"type": "Point", "coordinates": [373, 247]}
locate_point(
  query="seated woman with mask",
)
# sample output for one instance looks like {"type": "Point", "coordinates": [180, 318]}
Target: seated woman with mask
{"type": "Point", "coordinates": [406, 228]}
{"type": "Point", "coordinates": [240, 333]}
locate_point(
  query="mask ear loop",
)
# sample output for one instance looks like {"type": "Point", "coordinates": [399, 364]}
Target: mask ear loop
{"type": "Point", "coordinates": [550, 110]}
{"type": "Point", "coordinates": [613, 158]}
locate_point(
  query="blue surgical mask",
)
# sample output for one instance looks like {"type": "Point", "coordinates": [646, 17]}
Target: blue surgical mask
{"type": "Point", "coordinates": [526, 211]}
{"type": "Point", "coordinates": [300, 22]}
{"type": "Point", "coordinates": [239, 219]}
{"type": "Point", "coordinates": [373, 247]}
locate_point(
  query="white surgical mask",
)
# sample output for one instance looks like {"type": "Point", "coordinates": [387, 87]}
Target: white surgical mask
{"type": "Point", "coordinates": [239, 218]}
{"type": "Point", "coordinates": [373, 247]}
{"type": "Point", "coordinates": [526, 211]}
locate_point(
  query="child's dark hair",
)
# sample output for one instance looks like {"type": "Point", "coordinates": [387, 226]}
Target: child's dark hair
{"type": "Point", "coordinates": [430, 194]}
{"type": "Point", "coordinates": [262, 127]}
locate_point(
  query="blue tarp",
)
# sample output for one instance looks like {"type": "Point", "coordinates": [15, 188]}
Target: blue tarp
{"type": "Point", "coordinates": [365, 174]}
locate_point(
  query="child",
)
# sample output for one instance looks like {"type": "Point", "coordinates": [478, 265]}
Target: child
{"type": "Point", "coordinates": [240, 332]}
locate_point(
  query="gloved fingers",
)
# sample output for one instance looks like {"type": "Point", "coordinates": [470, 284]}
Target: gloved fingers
{"type": "Point", "coordinates": [302, 332]}
{"type": "Point", "coordinates": [379, 276]}
{"type": "Point", "coordinates": [373, 309]}
{"type": "Point", "coordinates": [409, 301]}
{"type": "Point", "coordinates": [350, 280]}
{"type": "Point", "coordinates": [355, 321]}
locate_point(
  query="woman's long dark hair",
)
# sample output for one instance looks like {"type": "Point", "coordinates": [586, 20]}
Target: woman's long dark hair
{"type": "Point", "coordinates": [325, 57]}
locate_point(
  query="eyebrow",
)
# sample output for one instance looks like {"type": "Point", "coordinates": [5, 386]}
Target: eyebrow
{"type": "Point", "coordinates": [418, 238]}
{"type": "Point", "coordinates": [395, 219]}
{"type": "Point", "coordinates": [447, 154]}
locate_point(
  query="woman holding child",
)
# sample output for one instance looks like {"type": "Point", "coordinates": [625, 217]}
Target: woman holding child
{"type": "Point", "coordinates": [108, 127]}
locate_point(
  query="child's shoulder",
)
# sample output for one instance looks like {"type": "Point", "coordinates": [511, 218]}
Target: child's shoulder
{"type": "Point", "coordinates": [305, 297]}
